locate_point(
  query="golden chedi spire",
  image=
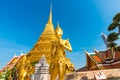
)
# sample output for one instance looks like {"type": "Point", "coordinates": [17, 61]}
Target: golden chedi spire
{"type": "Point", "coordinates": [50, 15]}
{"type": "Point", "coordinates": [44, 44]}
{"type": "Point", "coordinates": [49, 28]}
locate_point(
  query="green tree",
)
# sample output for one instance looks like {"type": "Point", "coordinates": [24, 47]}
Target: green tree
{"type": "Point", "coordinates": [113, 36]}
{"type": "Point", "coordinates": [115, 23]}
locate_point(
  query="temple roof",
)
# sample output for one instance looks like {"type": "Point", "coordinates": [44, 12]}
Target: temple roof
{"type": "Point", "coordinates": [94, 57]}
{"type": "Point", "coordinates": [102, 59]}
{"type": "Point", "coordinates": [13, 62]}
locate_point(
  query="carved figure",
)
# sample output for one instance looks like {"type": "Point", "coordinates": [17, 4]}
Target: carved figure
{"type": "Point", "coordinates": [59, 63]}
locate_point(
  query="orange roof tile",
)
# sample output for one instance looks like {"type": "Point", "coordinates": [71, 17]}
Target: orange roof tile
{"type": "Point", "coordinates": [105, 54]}
{"type": "Point", "coordinates": [96, 58]}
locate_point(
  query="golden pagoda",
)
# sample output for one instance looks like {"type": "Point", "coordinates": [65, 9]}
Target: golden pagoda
{"type": "Point", "coordinates": [43, 45]}
{"type": "Point", "coordinates": [53, 47]}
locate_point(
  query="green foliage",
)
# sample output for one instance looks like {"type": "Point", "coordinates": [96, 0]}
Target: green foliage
{"type": "Point", "coordinates": [115, 23]}
{"type": "Point", "coordinates": [7, 73]}
{"type": "Point", "coordinates": [14, 73]}
{"type": "Point", "coordinates": [116, 18]}
{"type": "Point", "coordinates": [1, 74]}
{"type": "Point", "coordinates": [117, 48]}
{"type": "Point", "coordinates": [112, 26]}
{"type": "Point", "coordinates": [112, 36]}
{"type": "Point", "coordinates": [111, 44]}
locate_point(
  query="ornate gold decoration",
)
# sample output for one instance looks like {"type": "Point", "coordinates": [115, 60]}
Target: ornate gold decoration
{"type": "Point", "coordinates": [43, 45]}
{"type": "Point", "coordinates": [53, 47]}
{"type": "Point", "coordinates": [24, 68]}
{"type": "Point", "coordinates": [59, 63]}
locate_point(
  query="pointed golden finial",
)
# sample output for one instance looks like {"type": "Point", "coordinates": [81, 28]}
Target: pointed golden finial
{"type": "Point", "coordinates": [49, 28]}
{"type": "Point", "coordinates": [58, 24]}
{"type": "Point", "coordinates": [58, 29]}
{"type": "Point", "coordinates": [50, 16]}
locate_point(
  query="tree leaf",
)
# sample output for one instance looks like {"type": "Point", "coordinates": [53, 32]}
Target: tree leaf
{"type": "Point", "coordinates": [116, 18]}
{"type": "Point", "coordinates": [112, 26]}
{"type": "Point", "coordinates": [112, 36]}
{"type": "Point", "coordinates": [117, 48]}
{"type": "Point", "coordinates": [111, 44]}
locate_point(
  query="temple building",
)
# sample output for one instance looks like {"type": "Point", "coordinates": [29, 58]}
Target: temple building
{"type": "Point", "coordinates": [105, 63]}
{"type": "Point", "coordinates": [11, 64]}
{"type": "Point", "coordinates": [102, 60]}
{"type": "Point", "coordinates": [43, 46]}
{"type": "Point", "coordinates": [23, 66]}
{"type": "Point", "coordinates": [7, 71]}
{"type": "Point", "coordinates": [99, 63]}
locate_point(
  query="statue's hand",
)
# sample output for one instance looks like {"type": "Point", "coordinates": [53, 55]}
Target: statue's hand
{"type": "Point", "coordinates": [66, 44]}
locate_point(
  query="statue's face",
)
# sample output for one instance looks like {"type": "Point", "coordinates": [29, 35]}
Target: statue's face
{"type": "Point", "coordinates": [59, 32]}
{"type": "Point", "coordinates": [59, 35]}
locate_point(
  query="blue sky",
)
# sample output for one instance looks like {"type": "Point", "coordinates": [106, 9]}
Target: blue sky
{"type": "Point", "coordinates": [83, 21]}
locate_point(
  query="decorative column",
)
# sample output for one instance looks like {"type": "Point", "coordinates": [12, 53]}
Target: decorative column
{"type": "Point", "coordinates": [41, 70]}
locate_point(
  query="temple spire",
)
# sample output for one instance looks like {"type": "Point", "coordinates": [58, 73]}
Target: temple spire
{"type": "Point", "coordinates": [104, 37]}
{"type": "Point", "coordinates": [50, 15]}
{"type": "Point", "coordinates": [58, 29]}
{"type": "Point", "coordinates": [49, 28]}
